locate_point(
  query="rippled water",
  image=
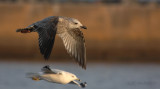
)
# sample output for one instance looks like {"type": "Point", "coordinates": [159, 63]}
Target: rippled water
{"type": "Point", "coordinates": [98, 76]}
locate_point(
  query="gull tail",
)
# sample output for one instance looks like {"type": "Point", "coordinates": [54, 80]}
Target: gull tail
{"type": "Point", "coordinates": [33, 76]}
{"type": "Point", "coordinates": [26, 30]}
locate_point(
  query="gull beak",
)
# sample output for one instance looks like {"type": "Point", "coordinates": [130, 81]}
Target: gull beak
{"type": "Point", "coordinates": [78, 79]}
{"type": "Point", "coordinates": [83, 85]}
{"type": "Point", "coordinates": [83, 27]}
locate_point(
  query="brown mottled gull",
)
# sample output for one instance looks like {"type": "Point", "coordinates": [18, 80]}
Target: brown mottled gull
{"type": "Point", "coordinates": [68, 29]}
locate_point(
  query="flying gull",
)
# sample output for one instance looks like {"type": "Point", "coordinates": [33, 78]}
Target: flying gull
{"type": "Point", "coordinates": [68, 29]}
{"type": "Point", "coordinates": [56, 76]}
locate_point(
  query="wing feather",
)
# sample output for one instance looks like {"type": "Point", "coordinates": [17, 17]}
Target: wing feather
{"type": "Point", "coordinates": [75, 45]}
{"type": "Point", "coordinates": [47, 30]}
{"type": "Point", "coordinates": [47, 70]}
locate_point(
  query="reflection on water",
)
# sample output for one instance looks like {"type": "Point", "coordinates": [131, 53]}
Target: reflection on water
{"type": "Point", "coordinates": [98, 76]}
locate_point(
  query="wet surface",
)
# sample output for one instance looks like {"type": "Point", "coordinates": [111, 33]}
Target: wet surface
{"type": "Point", "coordinates": [97, 76]}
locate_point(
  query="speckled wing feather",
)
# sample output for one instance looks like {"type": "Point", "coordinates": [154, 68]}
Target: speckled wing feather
{"type": "Point", "coordinates": [47, 30]}
{"type": "Point", "coordinates": [75, 45]}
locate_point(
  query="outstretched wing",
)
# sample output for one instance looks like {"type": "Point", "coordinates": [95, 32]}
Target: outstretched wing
{"type": "Point", "coordinates": [47, 30]}
{"type": "Point", "coordinates": [75, 45]}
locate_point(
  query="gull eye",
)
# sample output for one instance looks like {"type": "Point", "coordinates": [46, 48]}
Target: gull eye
{"type": "Point", "coordinates": [75, 23]}
{"type": "Point", "coordinates": [72, 76]}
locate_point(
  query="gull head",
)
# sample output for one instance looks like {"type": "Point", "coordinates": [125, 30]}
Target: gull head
{"type": "Point", "coordinates": [75, 24]}
{"type": "Point", "coordinates": [73, 77]}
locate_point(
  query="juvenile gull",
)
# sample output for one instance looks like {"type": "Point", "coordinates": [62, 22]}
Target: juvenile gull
{"type": "Point", "coordinates": [68, 29]}
{"type": "Point", "coordinates": [56, 76]}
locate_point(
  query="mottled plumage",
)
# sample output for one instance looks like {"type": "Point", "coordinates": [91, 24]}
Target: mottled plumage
{"type": "Point", "coordinates": [68, 29]}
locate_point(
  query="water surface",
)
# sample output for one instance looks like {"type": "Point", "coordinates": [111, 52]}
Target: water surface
{"type": "Point", "coordinates": [98, 76]}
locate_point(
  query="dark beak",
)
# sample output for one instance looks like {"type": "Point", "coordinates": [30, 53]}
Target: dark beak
{"type": "Point", "coordinates": [83, 27]}
{"type": "Point", "coordinates": [78, 79]}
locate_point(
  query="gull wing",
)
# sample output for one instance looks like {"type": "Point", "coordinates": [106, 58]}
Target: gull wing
{"type": "Point", "coordinates": [47, 70]}
{"type": "Point", "coordinates": [47, 30]}
{"type": "Point", "coordinates": [74, 43]}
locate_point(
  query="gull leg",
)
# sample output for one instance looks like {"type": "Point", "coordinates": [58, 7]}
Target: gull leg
{"type": "Point", "coordinates": [35, 78]}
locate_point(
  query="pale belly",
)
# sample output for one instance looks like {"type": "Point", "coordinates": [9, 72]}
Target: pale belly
{"type": "Point", "coordinates": [55, 78]}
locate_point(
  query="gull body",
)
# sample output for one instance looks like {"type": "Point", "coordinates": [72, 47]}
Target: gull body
{"type": "Point", "coordinates": [68, 29]}
{"type": "Point", "coordinates": [59, 76]}
{"type": "Point", "coordinates": [55, 76]}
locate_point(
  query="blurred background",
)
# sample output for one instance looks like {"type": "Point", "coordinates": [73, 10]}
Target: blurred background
{"type": "Point", "coordinates": [118, 30]}
{"type": "Point", "coordinates": [122, 40]}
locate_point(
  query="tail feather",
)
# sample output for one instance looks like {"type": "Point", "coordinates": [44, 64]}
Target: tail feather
{"type": "Point", "coordinates": [33, 76]}
{"type": "Point", "coordinates": [25, 30]}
